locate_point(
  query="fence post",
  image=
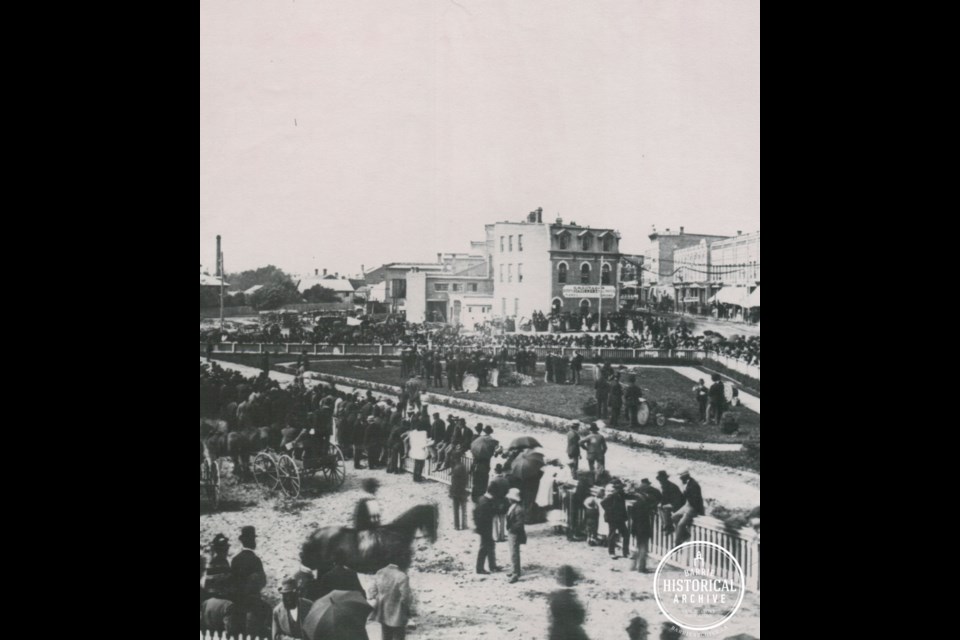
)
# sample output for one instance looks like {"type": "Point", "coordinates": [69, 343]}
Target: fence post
{"type": "Point", "coordinates": [233, 347]}
{"type": "Point", "coordinates": [260, 347]}
{"type": "Point", "coordinates": [381, 349]}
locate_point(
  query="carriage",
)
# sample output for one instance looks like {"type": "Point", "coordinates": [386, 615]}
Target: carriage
{"type": "Point", "coordinates": [285, 471]}
{"type": "Point", "coordinates": [210, 481]}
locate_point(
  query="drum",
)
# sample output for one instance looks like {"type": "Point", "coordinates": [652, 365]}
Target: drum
{"type": "Point", "coordinates": [471, 384]}
{"type": "Point", "coordinates": [643, 414]}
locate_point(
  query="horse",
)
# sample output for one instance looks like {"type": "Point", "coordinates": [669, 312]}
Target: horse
{"type": "Point", "coordinates": [222, 442]}
{"type": "Point", "coordinates": [369, 551]}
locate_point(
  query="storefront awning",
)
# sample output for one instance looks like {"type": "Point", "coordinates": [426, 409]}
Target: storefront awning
{"type": "Point", "coordinates": [731, 295]}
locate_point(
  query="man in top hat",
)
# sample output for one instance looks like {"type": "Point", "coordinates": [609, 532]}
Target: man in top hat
{"type": "Point", "coordinates": [641, 519]}
{"type": "Point", "coordinates": [717, 400]}
{"type": "Point", "coordinates": [615, 399]}
{"type": "Point", "coordinates": [516, 530]}
{"type": "Point", "coordinates": [250, 578]}
{"type": "Point", "coordinates": [596, 448]}
{"type": "Point", "coordinates": [693, 507]}
{"type": "Point", "coordinates": [288, 616]}
{"type": "Point", "coordinates": [499, 487]}
{"type": "Point", "coordinates": [573, 448]}
{"type": "Point", "coordinates": [483, 516]}
{"type": "Point", "coordinates": [366, 515]}
{"type": "Point", "coordinates": [615, 514]}
{"type": "Point", "coordinates": [373, 441]}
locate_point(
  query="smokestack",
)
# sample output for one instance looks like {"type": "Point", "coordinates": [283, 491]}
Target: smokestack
{"type": "Point", "coordinates": [363, 270]}
{"type": "Point", "coordinates": [439, 258]}
{"type": "Point", "coordinates": [681, 230]}
{"type": "Point", "coordinates": [219, 259]}
{"type": "Point", "coordinates": [739, 233]}
{"type": "Point", "coordinates": [324, 273]}
{"type": "Point", "coordinates": [540, 215]}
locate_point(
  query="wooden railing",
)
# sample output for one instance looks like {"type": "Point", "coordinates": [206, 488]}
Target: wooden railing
{"type": "Point", "coordinates": [216, 635]}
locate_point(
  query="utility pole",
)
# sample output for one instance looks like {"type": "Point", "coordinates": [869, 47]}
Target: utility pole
{"type": "Point", "coordinates": [220, 275]}
{"type": "Point", "coordinates": [600, 306]}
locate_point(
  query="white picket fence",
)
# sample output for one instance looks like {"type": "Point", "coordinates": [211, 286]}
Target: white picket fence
{"type": "Point", "coordinates": [223, 636]}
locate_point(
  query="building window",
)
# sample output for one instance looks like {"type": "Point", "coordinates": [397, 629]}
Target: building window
{"type": "Point", "coordinates": [562, 273]}
{"type": "Point", "coordinates": [509, 273]}
{"type": "Point", "coordinates": [520, 273]}
{"type": "Point", "coordinates": [457, 287]}
{"type": "Point", "coordinates": [605, 274]}
{"type": "Point", "coordinates": [516, 307]}
{"type": "Point", "coordinates": [585, 273]}
{"type": "Point", "coordinates": [501, 273]}
{"type": "Point", "coordinates": [472, 287]}
{"type": "Point", "coordinates": [440, 287]}
{"type": "Point", "coordinates": [511, 243]}
{"type": "Point", "coordinates": [586, 242]}
{"type": "Point", "coordinates": [564, 240]}
{"type": "Point", "coordinates": [398, 288]}
{"type": "Point", "coordinates": [608, 243]}
{"type": "Point", "coordinates": [520, 242]}
{"type": "Point", "coordinates": [501, 244]}
{"type": "Point", "coordinates": [503, 307]}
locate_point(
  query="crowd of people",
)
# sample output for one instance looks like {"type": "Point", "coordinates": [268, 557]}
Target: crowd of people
{"type": "Point", "coordinates": [640, 332]}
{"type": "Point", "coordinates": [383, 433]}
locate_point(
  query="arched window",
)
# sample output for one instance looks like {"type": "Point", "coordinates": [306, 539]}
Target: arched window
{"type": "Point", "coordinates": [585, 273]}
{"type": "Point", "coordinates": [562, 273]}
{"type": "Point", "coordinates": [584, 307]}
{"type": "Point", "coordinates": [605, 275]}
{"type": "Point", "coordinates": [557, 305]}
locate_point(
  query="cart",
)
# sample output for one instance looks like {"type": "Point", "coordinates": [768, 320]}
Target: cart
{"type": "Point", "coordinates": [285, 471]}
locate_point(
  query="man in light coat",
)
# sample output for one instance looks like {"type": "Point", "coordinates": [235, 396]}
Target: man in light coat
{"type": "Point", "coordinates": [391, 599]}
{"type": "Point", "coordinates": [288, 616]}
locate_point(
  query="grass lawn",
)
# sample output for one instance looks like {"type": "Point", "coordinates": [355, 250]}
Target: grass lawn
{"type": "Point", "coordinates": [667, 388]}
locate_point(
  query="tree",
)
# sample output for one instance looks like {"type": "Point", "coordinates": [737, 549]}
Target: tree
{"type": "Point", "coordinates": [319, 293]}
{"type": "Point", "coordinates": [209, 297]}
{"type": "Point", "coordinates": [264, 275]}
{"type": "Point", "coordinates": [274, 296]}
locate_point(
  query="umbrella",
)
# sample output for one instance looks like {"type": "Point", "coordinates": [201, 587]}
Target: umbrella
{"type": "Point", "coordinates": [526, 442]}
{"type": "Point", "coordinates": [527, 465]}
{"type": "Point", "coordinates": [339, 614]}
{"type": "Point", "coordinates": [483, 448]}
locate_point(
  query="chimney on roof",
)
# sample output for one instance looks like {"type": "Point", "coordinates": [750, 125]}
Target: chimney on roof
{"type": "Point", "coordinates": [439, 258]}
{"type": "Point", "coordinates": [324, 273]}
{"type": "Point", "coordinates": [681, 230]}
{"type": "Point", "coordinates": [739, 233]}
{"type": "Point", "coordinates": [559, 220]}
{"type": "Point", "coordinates": [540, 214]}
{"type": "Point", "coordinates": [363, 270]}
{"type": "Point", "coordinates": [337, 275]}
{"type": "Point", "coordinates": [668, 231]}
{"type": "Point", "coordinates": [316, 272]}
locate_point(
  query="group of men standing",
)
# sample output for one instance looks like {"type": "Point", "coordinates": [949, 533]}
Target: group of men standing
{"type": "Point", "coordinates": [564, 370]}
{"type": "Point", "coordinates": [612, 397]}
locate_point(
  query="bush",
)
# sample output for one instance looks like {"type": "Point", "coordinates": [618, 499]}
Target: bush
{"type": "Point", "coordinates": [730, 424]}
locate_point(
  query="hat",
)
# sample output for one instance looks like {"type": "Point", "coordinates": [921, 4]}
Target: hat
{"type": "Point", "coordinates": [488, 429]}
{"type": "Point", "coordinates": [574, 425]}
{"type": "Point", "coordinates": [662, 475]}
{"type": "Point", "coordinates": [684, 473]}
{"type": "Point", "coordinates": [370, 484]}
{"type": "Point", "coordinates": [220, 540]}
{"type": "Point", "coordinates": [514, 495]}
{"type": "Point", "coordinates": [594, 428]}
{"type": "Point", "coordinates": [617, 482]}
{"type": "Point", "coordinates": [289, 585]}
{"type": "Point", "coordinates": [645, 481]}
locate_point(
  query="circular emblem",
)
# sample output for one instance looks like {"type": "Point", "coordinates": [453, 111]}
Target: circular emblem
{"type": "Point", "coordinates": [699, 585]}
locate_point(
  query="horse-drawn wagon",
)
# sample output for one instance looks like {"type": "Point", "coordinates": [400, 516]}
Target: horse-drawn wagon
{"type": "Point", "coordinates": [285, 471]}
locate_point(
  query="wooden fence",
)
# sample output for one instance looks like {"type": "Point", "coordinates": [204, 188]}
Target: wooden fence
{"type": "Point", "coordinates": [386, 350]}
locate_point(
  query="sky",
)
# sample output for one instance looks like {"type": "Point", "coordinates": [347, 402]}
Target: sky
{"type": "Point", "coordinates": [341, 133]}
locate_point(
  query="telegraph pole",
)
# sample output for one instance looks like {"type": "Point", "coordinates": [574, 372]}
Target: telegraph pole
{"type": "Point", "coordinates": [220, 275]}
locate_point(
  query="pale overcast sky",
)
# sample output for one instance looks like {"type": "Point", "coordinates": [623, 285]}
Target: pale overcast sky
{"type": "Point", "coordinates": [345, 132]}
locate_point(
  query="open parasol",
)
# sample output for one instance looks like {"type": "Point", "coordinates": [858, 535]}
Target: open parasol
{"type": "Point", "coordinates": [483, 449]}
{"type": "Point", "coordinates": [525, 442]}
{"type": "Point", "coordinates": [340, 615]}
{"type": "Point", "coordinates": [527, 465]}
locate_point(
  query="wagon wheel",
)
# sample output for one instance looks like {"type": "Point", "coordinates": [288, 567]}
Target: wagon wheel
{"type": "Point", "coordinates": [289, 476]}
{"type": "Point", "coordinates": [213, 484]}
{"type": "Point", "coordinates": [661, 420]}
{"type": "Point", "coordinates": [265, 471]}
{"type": "Point", "coordinates": [335, 468]}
